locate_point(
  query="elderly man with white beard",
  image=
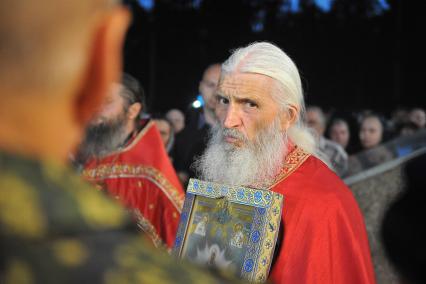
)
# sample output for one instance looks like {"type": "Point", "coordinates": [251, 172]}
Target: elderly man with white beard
{"type": "Point", "coordinates": [261, 142]}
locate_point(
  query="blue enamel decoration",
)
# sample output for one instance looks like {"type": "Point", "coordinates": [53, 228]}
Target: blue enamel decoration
{"type": "Point", "coordinates": [258, 197]}
{"type": "Point", "coordinates": [261, 210]}
{"type": "Point", "coordinates": [255, 237]}
{"type": "Point", "coordinates": [196, 185]}
{"type": "Point", "coordinates": [240, 194]}
{"type": "Point", "coordinates": [209, 189]}
{"type": "Point", "coordinates": [178, 241]}
{"type": "Point", "coordinates": [248, 265]}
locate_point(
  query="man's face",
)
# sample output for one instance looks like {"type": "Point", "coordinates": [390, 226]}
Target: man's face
{"type": "Point", "coordinates": [208, 86]}
{"type": "Point", "coordinates": [245, 106]}
{"type": "Point", "coordinates": [418, 117]}
{"type": "Point", "coordinates": [165, 130]}
{"type": "Point", "coordinates": [370, 133]}
{"type": "Point", "coordinates": [107, 130]}
{"type": "Point", "coordinates": [177, 119]}
{"type": "Point", "coordinates": [112, 107]}
{"type": "Point", "coordinates": [314, 121]}
{"type": "Point", "coordinates": [339, 133]}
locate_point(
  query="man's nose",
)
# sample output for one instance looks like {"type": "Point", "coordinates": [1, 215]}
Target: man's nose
{"type": "Point", "coordinates": [232, 118]}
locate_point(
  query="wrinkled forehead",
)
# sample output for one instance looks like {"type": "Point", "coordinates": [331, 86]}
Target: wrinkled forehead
{"type": "Point", "coordinates": [246, 84]}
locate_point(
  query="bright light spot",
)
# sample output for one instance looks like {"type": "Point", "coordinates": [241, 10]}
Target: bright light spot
{"type": "Point", "coordinates": [196, 104]}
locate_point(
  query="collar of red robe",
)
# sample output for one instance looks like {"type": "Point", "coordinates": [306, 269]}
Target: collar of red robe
{"type": "Point", "coordinates": [295, 157]}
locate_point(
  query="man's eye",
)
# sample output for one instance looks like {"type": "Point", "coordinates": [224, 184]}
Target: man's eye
{"type": "Point", "coordinates": [251, 105]}
{"type": "Point", "coordinates": [223, 100]}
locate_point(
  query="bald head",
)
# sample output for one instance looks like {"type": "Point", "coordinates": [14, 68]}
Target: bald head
{"type": "Point", "coordinates": [42, 42]}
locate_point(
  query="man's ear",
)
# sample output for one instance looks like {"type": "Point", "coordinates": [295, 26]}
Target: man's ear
{"type": "Point", "coordinates": [104, 64]}
{"type": "Point", "coordinates": [134, 111]}
{"type": "Point", "coordinates": [289, 117]}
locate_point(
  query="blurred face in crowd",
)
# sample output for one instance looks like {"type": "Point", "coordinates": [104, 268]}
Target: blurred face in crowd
{"type": "Point", "coordinates": [208, 86]}
{"type": "Point", "coordinates": [418, 117]}
{"type": "Point", "coordinates": [249, 144]}
{"type": "Point", "coordinates": [371, 132]}
{"type": "Point", "coordinates": [339, 133]}
{"type": "Point", "coordinates": [177, 119]}
{"type": "Point", "coordinates": [315, 120]}
{"type": "Point", "coordinates": [165, 130]}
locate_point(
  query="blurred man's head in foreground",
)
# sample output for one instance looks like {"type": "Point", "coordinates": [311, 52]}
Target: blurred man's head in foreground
{"type": "Point", "coordinates": [57, 63]}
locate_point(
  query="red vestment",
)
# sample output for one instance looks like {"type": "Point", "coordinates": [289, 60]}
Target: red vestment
{"type": "Point", "coordinates": [324, 238]}
{"type": "Point", "coordinates": [142, 177]}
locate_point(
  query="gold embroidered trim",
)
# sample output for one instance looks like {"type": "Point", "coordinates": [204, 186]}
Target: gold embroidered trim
{"type": "Point", "coordinates": [292, 162]}
{"type": "Point", "coordinates": [149, 229]}
{"type": "Point", "coordinates": [129, 171]}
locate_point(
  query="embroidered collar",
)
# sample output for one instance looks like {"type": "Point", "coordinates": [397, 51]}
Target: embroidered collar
{"type": "Point", "coordinates": [292, 162]}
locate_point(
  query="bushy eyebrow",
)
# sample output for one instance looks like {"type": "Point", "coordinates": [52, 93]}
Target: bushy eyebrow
{"type": "Point", "coordinates": [220, 95]}
{"type": "Point", "coordinates": [246, 100]}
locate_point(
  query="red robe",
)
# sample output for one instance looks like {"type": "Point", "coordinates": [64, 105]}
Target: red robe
{"type": "Point", "coordinates": [142, 177]}
{"type": "Point", "coordinates": [324, 238]}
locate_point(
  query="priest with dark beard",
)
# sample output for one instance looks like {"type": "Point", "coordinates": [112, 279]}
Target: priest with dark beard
{"type": "Point", "coordinates": [261, 142]}
{"type": "Point", "coordinates": [124, 155]}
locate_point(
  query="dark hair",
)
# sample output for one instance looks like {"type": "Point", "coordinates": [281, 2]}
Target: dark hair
{"type": "Point", "coordinates": [133, 91]}
{"type": "Point", "coordinates": [338, 121]}
{"type": "Point", "coordinates": [380, 118]}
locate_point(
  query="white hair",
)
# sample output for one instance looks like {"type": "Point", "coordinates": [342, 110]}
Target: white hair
{"type": "Point", "coordinates": [254, 165]}
{"type": "Point", "coordinates": [267, 59]}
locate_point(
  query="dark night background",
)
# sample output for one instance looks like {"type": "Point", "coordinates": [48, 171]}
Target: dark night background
{"type": "Point", "coordinates": [352, 55]}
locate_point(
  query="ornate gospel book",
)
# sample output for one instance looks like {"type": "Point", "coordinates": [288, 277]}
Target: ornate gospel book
{"type": "Point", "coordinates": [233, 228]}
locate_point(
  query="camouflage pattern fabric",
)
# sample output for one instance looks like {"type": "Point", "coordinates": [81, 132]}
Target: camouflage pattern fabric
{"type": "Point", "coordinates": [54, 228]}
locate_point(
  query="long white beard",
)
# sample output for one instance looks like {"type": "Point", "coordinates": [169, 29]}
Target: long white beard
{"type": "Point", "coordinates": [253, 164]}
